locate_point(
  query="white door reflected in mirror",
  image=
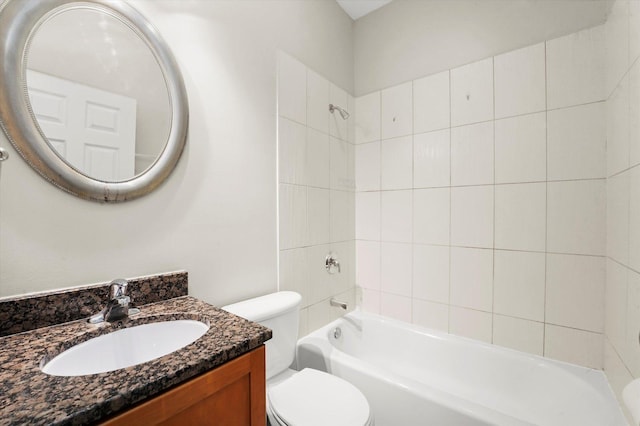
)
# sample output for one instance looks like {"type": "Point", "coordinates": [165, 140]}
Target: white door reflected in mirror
{"type": "Point", "coordinates": [91, 129]}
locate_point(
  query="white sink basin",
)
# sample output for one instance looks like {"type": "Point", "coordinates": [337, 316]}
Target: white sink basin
{"type": "Point", "coordinates": [125, 347]}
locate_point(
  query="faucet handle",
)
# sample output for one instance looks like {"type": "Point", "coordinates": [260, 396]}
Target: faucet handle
{"type": "Point", "coordinates": [331, 263]}
{"type": "Point", "coordinates": [118, 288]}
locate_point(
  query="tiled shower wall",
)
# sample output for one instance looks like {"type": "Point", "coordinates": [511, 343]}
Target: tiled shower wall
{"type": "Point", "coordinates": [622, 312]}
{"type": "Point", "coordinates": [316, 192]}
{"type": "Point", "coordinates": [480, 204]}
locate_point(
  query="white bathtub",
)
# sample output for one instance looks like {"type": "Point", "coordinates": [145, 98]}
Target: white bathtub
{"type": "Point", "coordinates": [414, 376]}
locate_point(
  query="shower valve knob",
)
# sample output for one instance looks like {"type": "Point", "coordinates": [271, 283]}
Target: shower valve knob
{"type": "Point", "coordinates": [331, 263]}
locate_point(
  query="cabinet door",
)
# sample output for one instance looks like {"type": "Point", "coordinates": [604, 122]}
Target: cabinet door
{"type": "Point", "coordinates": [232, 394]}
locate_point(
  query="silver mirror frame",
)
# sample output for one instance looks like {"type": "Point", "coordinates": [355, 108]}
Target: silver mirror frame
{"type": "Point", "coordinates": [18, 21]}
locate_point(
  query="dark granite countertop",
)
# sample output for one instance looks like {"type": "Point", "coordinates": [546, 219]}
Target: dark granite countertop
{"type": "Point", "coordinates": [28, 396]}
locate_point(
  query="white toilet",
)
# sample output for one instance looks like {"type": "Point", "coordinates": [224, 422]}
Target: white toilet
{"type": "Point", "coordinates": [299, 398]}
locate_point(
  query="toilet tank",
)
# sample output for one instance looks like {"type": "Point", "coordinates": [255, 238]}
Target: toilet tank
{"type": "Point", "coordinates": [279, 312]}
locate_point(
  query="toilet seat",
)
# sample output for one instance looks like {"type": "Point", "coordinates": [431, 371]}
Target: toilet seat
{"type": "Point", "coordinates": [314, 398]}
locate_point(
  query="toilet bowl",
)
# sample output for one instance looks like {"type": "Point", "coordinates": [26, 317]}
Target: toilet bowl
{"type": "Point", "coordinates": [299, 398]}
{"type": "Point", "coordinates": [311, 397]}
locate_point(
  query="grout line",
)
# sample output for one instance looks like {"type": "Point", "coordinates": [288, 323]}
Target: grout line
{"type": "Point", "coordinates": [493, 251]}
{"type": "Point", "coordinates": [450, 204]}
{"type": "Point", "coordinates": [413, 216]}
{"type": "Point", "coordinates": [622, 361]}
{"type": "Point", "coordinates": [278, 184]}
{"type": "Point", "coordinates": [546, 198]}
{"type": "Point", "coordinates": [380, 203]}
{"type": "Point", "coordinates": [591, 179]}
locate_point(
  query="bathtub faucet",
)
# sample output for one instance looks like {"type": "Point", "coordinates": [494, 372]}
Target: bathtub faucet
{"type": "Point", "coordinates": [338, 304]}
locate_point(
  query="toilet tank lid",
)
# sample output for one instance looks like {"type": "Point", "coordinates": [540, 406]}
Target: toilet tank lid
{"type": "Point", "coordinates": [265, 307]}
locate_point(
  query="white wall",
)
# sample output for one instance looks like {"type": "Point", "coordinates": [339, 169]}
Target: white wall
{"type": "Point", "coordinates": [316, 192]}
{"type": "Point", "coordinates": [216, 215]}
{"type": "Point", "coordinates": [409, 39]}
{"type": "Point", "coordinates": [622, 313]}
{"type": "Point", "coordinates": [480, 208]}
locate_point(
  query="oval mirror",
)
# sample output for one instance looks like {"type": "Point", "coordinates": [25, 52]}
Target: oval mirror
{"type": "Point", "coordinates": [90, 96]}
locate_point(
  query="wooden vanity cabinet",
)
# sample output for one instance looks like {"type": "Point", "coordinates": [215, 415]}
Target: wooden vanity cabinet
{"type": "Point", "coordinates": [231, 394]}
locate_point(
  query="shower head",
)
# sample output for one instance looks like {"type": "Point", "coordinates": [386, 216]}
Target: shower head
{"type": "Point", "coordinates": [343, 113]}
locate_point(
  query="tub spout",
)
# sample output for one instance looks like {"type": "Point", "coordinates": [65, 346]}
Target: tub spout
{"type": "Point", "coordinates": [338, 304]}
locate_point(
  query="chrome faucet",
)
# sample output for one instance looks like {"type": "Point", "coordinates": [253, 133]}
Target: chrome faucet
{"type": "Point", "coordinates": [118, 305]}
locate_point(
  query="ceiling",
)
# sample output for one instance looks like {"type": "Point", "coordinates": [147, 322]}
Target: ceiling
{"type": "Point", "coordinates": [358, 8]}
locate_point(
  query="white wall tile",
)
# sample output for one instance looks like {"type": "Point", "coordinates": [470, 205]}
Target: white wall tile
{"type": "Point", "coordinates": [371, 301]}
{"type": "Point", "coordinates": [320, 281]}
{"type": "Point", "coordinates": [616, 304]}
{"type": "Point", "coordinates": [319, 314]}
{"type": "Point", "coordinates": [520, 145]}
{"type": "Point", "coordinates": [351, 122]}
{"type": "Point", "coordinates": [472, 278]}
{"type": "Point", "coordinates": [293, 273]}
{"type": "Point", "coordinates": [617, 374]}
{"type": "Point", "coordinates": [576, 217]}
{"type": "Point", "coordinates": [618, 129]}
{"type": "Point", "coordinates": [292, 89]}
{"type": "Point", "coordinates": [395, 216]}
{"type": "Point", "coordinates": [520, 81]}
{"type": "Point", "coordinates": [368, 166]}
{"type": "Point", "coordinates": [574, 346]}
{"type": "Point", "coordinates": [472, 216]}
{"type": "Point", "coordinates": [342, 205]}
{"type": "Point", "coordinates": [318, 212]}
{"type": "Point", "coordinates": [345, 280]}
{"type": "Point", "coordinates": [631, 355]}
{"type": "Point", "coordinates": [431, 159]}
{"type": "Point", "coordinates": [397, 111]}
{"type": "Point", "coordinates": [515, 333]}
{"type": "Point", "coordinates": [469, 323]}
{"type": "Point", "coordinates": [472, 154]}
{"type": "Point", "coordinates": [520, 216]}
{"type": "Point", "coordinates": [634, 30]}
{"type": "Point", "coordinates": [472, 93]}
{"type": "Point", "coordinates": [618, 206]}
{"type": "Point", "coordinates": [303, 326]}
{"type": "Point", "coordinates": [368, 118]}
{"type": "Point", "coordinates": [431, 273]}
{"type": "Point", "coordinates": [342, 164]}
{"type": "Point", "coordinates": [431, 103]}
{"type": "Point", "coordinates": [617, 44]}
{"type": "Point", "coordinates": [575, 68]}
{"type": "Point", "coordinates": [519, 284]}
{"type": "Point", "coordinates": [431, 315]}
{"type": "Point", "coordinates": [634, 113]}
{"type": "Point", "coordinates": [338, 127]}
{"type": "Point", "coordinates": [577, 142]}
{"type": "Point", "coordinates": [293, 216]}
{"type": "Point", "coordinates": [368, 264]}
{"type": "Point", "coordinates": [317, 102]}
{"type": "Point", "coordinates": [431, 215]}
{"type": "Point", "coordinates": [396, 163]}
{"type": "Point", "coordinates": [318, 159]}
{"type": "Point", "coordinates": [580, 280]}
{"type": "Point", "coordinates": [368, 216]}
{"type": "Point", "coordinates": [634, 218]}
{"type": "Point", "coordinates": [396, 307]}
{"type": "Point", "coordinates": [292, 152]}
{"type": "Point", "coordinates": [395, 268]}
